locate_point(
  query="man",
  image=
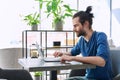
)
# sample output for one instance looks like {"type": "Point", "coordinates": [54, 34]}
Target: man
{"type": "Point", "coordinates": [92, 45]}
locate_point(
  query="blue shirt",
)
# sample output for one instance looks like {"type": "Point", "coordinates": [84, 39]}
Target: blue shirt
{"type": "Point", "coordinates": [96, 46]}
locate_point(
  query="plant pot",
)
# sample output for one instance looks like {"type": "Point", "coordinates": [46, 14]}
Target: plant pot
{"type": "Point", "coordinates": [34, 27]}
{"type": "Point", "coordinates": [58, 26]}
{"type": "Point", "coordinates": [38, 77]}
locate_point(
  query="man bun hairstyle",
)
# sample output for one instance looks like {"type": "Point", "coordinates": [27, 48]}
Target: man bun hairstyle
{"type": "Point", "coordinates": [85, 16]}
{"type": "Point", "coordinates": [88, 10]}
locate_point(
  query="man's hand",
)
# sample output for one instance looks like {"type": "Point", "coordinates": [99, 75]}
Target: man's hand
{"type": "Point", "coordinates": [57, 54]}
{"type": "Point", "coordinates": [66, 58]}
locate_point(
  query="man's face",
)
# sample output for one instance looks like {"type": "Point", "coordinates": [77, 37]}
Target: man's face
{"type": "Point", "coordinates": [78, 27]}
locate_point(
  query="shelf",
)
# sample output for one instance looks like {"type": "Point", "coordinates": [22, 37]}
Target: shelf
{"type": "Point", "coordinates": [54, 47]}
{"type": "Point", "coordinates": [47, 38]}
{"type": "Point", "coordinates": [47, 31]}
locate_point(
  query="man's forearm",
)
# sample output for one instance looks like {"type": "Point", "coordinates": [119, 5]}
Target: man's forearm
{"type": "Point", "coordinates": [67, 53]}
{"type": "Point", "coordinates": [96, 60]}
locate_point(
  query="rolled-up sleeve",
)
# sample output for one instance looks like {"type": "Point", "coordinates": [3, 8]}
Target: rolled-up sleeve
{"type": "Point", "coordinates": [103, 48]}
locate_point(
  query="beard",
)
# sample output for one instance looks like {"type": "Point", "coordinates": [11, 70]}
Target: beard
{"type": "Point", "coordinates": [81, 33]}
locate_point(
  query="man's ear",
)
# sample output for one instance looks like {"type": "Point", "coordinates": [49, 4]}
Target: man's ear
{"type": "Point", "coordinates": [86, 23]}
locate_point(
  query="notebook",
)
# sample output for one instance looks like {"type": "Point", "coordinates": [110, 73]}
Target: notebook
{"type": "Point", "coordinates": [47, 59]}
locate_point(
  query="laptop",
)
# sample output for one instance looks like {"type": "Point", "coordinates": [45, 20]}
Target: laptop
{"type": "Point", "coordinates": [46, 59]}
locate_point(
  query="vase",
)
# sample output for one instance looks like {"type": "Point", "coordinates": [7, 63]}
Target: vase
{"type": "Point", "coordinates": [34, 27]}
{"type": "Point", "coordinates": [38, 77]}
{"type": "Point", "coordinates": [58, 26]}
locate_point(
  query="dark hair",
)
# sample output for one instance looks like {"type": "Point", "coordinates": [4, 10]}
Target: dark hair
{"type": "Point", "coordinates": [85, 16]}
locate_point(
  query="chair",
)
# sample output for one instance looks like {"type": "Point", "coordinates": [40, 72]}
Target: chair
{"type": "Point", "coordinates": [15, 74]}
{"type": "Point", "coordinates": [115, 57]}
{"type": "Point", "coordinates": [77, 72]}
{"type": "Point", "coordinates": [9, 57]}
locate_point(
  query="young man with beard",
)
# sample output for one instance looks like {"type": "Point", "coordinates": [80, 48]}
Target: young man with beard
{"type": "Point", "coordinates": [92, 45]}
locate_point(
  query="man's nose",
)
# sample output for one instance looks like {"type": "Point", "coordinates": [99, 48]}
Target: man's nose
{"type": "Point", "coordinates": [73, 29]}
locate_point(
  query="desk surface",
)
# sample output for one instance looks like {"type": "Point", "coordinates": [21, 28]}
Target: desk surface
{"type": "Point", "coordinates": [39, 65]}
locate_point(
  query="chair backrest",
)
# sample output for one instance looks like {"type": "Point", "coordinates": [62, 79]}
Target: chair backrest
{"type": "Point", "coordinates": [115, 56]}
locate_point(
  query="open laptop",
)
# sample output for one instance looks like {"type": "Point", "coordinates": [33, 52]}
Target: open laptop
{"type": "Point", "coordinates": [47, 59]}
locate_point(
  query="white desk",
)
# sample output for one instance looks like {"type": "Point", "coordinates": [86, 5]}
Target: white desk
{"type": "Point", "coordinates": [39, 65]}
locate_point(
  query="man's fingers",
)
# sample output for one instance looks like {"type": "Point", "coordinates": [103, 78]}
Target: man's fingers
{"type": "Point", "coordinates": [56, 54]}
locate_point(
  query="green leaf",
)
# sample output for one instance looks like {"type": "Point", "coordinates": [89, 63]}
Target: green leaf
{"type": "Point", "coordinates": [38, 73]}
{"type": "Point", "coordinates": [66, 6]}
{"type": "Point", "coordinates": [32, 19]}
{"type": "Point", "coordinates": [49, 8]}
{"type": "Point", "coordinates": [48, 15]}
{"type": "Point", "coordinates": [69, 15]}
{"type": "Point", "coordinates": [41, 5]}
{"type": "Point", "coordinates": [54, 6]}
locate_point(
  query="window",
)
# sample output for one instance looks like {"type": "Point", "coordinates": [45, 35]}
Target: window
{"type": "Point", "coordinates": [115, 22]}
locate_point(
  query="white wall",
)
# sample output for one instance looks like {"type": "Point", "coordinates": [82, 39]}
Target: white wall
{"type": "Point", "coordinates": [11, 17]}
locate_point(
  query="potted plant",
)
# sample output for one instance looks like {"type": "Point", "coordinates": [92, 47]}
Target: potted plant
{"type": "Point", "coordinates": [59, 11]}
{"type": "Point", "coordinates": [32, 20]}
{"type": "Point", "coordinates": [38, 75]}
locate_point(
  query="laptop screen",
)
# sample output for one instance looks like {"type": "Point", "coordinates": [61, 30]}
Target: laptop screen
{"type": "Point", "coordinates": [39, 48]}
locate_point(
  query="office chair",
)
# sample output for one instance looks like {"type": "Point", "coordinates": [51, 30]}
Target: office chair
{"type": "Point", "coordinates": [115, 57]}
{"type": "Point", "coordinates": [16, 74]}
{"type": "Point", "coordinates": [77, 72]}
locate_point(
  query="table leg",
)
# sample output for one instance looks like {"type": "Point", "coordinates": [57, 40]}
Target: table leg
{"type": "Point", "coordinates": [53, 75]}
